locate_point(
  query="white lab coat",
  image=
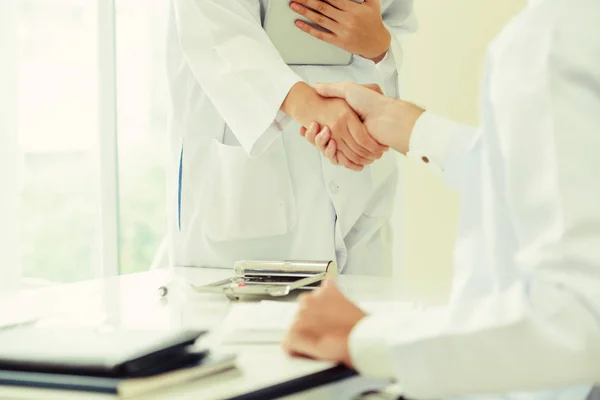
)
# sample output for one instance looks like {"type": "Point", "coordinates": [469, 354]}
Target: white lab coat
{"type": "Point", "coordinates": [525, 309]}
{"type": "Point", "coordinates": [250, 186]}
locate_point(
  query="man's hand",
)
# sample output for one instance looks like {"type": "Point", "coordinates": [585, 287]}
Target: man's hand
{"type": "Point", "coordinates": [323, 324]}
{"type": "Point", "coordinates": [356, 28]}
{"type": "Point", "coordinates": [354, 144]}
{"type": "Point", "coordinates": [389, 121]}
{"type": "Point", "coordinates": [355, 147]}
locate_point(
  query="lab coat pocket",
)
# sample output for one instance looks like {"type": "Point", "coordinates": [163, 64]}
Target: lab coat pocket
{"type": "Point", "coordinates": [248, 198]}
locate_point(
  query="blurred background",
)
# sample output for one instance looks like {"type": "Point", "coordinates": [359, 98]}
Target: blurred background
{"type": "Point", "coordinates": [80, 200]}
{"type": "Point", "coordinates": [59, 111]}
{"type": "Point", "coordinates": [442, 70]}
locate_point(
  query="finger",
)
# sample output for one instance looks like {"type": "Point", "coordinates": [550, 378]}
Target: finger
{"type": "Point", "coordinates": [343, 160]}
{"type": "Point", "coordinates": [339, 90]}
{"type": "Point", "coordinates": [322, 139]}
{"type": "Point", "coordinates": [362, 137]}
{"type": "Point", "coordinates": [354, 152]}
{"type": "Point", "coordinates": [313, 128]}
{"type": "Point", "coordinates": [363, 156]}
{"type": "Point", "coordinates": [318, 33]}
{"type": "Point", "coordinates": [343, 5]}
{"type": "Point", "coordinates": [318, 12]}
{"type": "Point", "coordinates": [373, 86]}
{"type": "Point", "coordinates": [311, 134]}
{"type": "Point", "coordinates": [331, 151]}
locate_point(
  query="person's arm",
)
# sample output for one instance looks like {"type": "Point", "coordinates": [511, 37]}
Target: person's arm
{"type": "Point", "coordinates": [542, 331]}
{"type": "Point", "coordinates": [237, 66]}
{"type": "Point", "coordinates": [255, 92]}
{"type": "Point", "coordinates": [404, 127]}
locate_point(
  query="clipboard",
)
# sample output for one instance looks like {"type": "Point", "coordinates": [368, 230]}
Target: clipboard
{"type": "Point", "coordinates": [295, 46]}
{"type": "Point", "coordinates": [271, 278]}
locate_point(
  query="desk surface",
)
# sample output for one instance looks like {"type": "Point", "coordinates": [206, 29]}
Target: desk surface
{"type": "Point", "coordinates": [132, 301]}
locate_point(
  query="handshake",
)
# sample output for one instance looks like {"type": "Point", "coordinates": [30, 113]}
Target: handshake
{"type": "Point", "coordinates": [351, 124]}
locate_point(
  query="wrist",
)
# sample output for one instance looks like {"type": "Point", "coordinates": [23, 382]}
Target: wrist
{"type": "Point", "coordinates": [406, 116]}
{"type": "Point", "coordinates": [299, 102]}
{"type": "Point", "coordinates": [380, 52]}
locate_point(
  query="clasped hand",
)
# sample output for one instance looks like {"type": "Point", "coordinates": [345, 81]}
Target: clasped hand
{"type": "Point", "coordinates": [354, 146]}
{"type": "Point", "coordinates": [386, 121]}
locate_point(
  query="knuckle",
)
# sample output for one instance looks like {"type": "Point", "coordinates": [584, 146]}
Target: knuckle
{"type": "Point", "coordinates": [320, 20]}
{"type": "Point", "coordinates": [321, 7]}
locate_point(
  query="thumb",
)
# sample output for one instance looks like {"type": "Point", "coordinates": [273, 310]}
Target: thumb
{"type": "Point", "coordinates": [374, 87]}
{"type": "Point", "coordinates": [332, 89]}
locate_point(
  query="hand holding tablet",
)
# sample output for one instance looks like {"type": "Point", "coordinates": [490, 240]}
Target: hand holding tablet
{"type": "Point", "coordinates": [353, 25]}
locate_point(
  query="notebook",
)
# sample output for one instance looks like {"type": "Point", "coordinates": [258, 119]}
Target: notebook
{"type": "Point", "coordinates": [107, 352]}
{"type": "Point", "coordinates": [108, 361]}
{"type": "Point", "coordinates": [268, 321]}
{"type": "Point", "coordinates": [34, 385]}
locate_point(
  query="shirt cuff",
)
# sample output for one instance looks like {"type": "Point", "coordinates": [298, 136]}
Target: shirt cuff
{"type": "Point", "coordinates": [387, 68]}
{"type": "Point", "coordinates": [431, 140]}
{"type": "Point", "coordinates": [369, 350]}
{"type": "Point", "coordinates": [258, 139]}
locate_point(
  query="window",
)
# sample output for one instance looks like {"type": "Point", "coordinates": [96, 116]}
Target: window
{"type": "Point", "coordinates": [142, 103]}
{"type": "Point", "coordinates": [90, 137]}
{"type": "Point", "coordinates": [58, 130]}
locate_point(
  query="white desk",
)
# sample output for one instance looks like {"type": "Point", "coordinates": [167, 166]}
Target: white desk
{"type": "Point", "coordinates": [263, 371]}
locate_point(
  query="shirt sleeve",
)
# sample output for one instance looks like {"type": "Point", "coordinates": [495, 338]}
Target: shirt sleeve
{"type": "Point", "coordinates": [237, 66]}
{"type": "Point", "coordinates": [441, 144]}
{"type": "Point", "coordinates": [543, 329]}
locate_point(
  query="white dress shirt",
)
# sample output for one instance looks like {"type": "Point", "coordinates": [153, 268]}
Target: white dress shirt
{"type": "Point", "coordinates": [525, 308]}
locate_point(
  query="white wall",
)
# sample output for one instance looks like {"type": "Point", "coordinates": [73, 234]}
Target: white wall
{"type": "Point", "coordinates": [441, 71]}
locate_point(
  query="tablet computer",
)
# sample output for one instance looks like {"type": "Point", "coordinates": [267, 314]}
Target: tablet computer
{"type": "Point", "coordinates": [295, 46]}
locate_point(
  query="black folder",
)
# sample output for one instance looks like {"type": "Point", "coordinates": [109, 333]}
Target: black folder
{"type": "Point", "coordinates": [97, 352]}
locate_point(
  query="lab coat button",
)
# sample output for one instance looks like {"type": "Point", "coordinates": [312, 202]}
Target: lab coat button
{"type": "Point", "coordinates": [334, 188]}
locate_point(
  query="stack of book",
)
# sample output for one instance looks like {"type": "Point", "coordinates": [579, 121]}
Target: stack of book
{"type": "Point", "coordinates": [62, 363]}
